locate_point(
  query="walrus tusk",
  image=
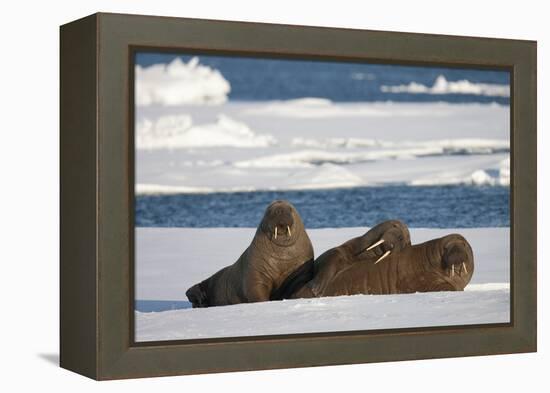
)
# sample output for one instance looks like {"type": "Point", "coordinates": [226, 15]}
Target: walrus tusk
{"type": "Point", "coordinates": [383, 256]}
{"type": "Point", "coordinates": [464, 266]}
{"type": "Point", "coordinates": [275, 232]}
{"type": "Point", "coordinates": [452, 270]}
{"type": "Point", "coordinates": [375, 244]}
{"type": "Point", "coordinates": [288, 229]}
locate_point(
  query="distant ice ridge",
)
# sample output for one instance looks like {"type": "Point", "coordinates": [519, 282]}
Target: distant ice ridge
{"type": "Point", "coordinates": [178, 131]}
{"type": "Point", "coordinates": [179, 83]}
{"type": "Point", "coordinates": [443, 86]}
{"type": "Point", "coordinates": [394, 151]}
{"type": "Point", "coordinates": [320, 108]}
{"type": "Point", "coordinates": [482, 177]}
{"type": "Point", "coordinates": [159, 189]}
{"type": "Point", "coordinates": [323, 108]}
{"type": "Point", "coordinates": [446, 146]}
{"type": "Point", "coordinates": [312, 169]}
{"type": "Point", "coordinates": [325, 176]}
{"type": "Point", "coordinates": [497, 177]}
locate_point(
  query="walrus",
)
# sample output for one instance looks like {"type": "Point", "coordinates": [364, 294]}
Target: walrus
{"type": "Point", "coordinates": [443, 264]}
{"type": "Point", "coordinates": [279, 249]}
{"type": "Point", "coordinates": [372, 248]}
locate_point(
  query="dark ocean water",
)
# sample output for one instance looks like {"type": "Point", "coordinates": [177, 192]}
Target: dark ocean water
{"type": "Point", "coordinates": [433, 207]}
{"type": "Point", "coordinates": [256, 79]}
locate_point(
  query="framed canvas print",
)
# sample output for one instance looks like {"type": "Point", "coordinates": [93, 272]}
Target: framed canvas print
{"type": "Point", "coordinates": [240, 196]}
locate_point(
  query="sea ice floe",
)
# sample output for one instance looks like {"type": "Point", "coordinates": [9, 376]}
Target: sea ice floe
{"type": "Point", "coordinates": [443, 86]}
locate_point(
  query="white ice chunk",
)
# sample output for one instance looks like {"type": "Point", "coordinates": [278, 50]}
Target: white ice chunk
{"type": "Point", "coordinates": [179, 83]}
{"type": "Point", "coordinates": [178, 131]}
{"type": "Point", "coordinates": [443, 86]}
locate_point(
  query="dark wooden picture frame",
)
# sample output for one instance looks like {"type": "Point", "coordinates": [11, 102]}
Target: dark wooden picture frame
{"type": "Point", "coordinates": [97, 196]}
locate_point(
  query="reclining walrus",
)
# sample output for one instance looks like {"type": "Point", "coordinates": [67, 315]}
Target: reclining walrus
{"type": "Point", "coordinates": [372, 247]}
{"type": "Point", "coordinates": [280, 248]}
{"type": "Point", "coordinates": [444, 264]}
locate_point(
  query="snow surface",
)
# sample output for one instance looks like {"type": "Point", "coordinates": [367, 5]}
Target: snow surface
{"type": "Point", "coordinates": [170, 260]}
{"type": "Point", "coordinates": [315, 143]}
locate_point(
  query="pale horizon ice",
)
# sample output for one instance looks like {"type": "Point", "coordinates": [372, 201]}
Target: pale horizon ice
{"type": "Point", "coordinates": [170, 260]}
{"type": "Point", "coordinates": [443, 86]}
{"type": "Point", "coordinates": [245, 147]}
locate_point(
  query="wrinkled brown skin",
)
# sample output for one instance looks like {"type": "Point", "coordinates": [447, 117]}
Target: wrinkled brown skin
{"type": "Point", "coordinates": [425, 267]}
{"type": "Point", "coordinates": [335, 262]}
{"type": "Point", "coordinates": [263, 266]}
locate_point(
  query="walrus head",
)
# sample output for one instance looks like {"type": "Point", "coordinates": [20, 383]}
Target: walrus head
{"type": "Point", "coordinates": [197, 295]}
{"type": "Point", "coordinates": [281, 223]}
{"type": "Point", "coordinates": [457, 259]}
{"type": "Point", "coordinates": [451, 258]}
{"type": "Point", "coordinates": [382, 240]}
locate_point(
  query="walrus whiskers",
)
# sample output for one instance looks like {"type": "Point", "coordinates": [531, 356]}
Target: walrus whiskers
{"type": "Point", "coordinates": [275, 232]}
{"type": "Point", "coordinates": [375, 244]}
{"type": "Point", "coordinates": [288, 229]}
{"type": "Point", "coordinates": [383, 256]}
{"type": "Point", "coordinates": [464, 266]}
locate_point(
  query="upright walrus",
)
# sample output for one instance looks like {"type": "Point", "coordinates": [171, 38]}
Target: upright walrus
{"type": "Point", "coordinates": [371, 248]}
{"type": "Point", "coordinates": [444, 264]}
{"type": "Point", "coordinates": [279, 248]}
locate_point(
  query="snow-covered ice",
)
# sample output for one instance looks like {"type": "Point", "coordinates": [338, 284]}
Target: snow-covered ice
{"type": "Point", "coordinates": [170, 260]}
{"type": "Point", "coordinates": [178, 131]}
{"type": "Point", "coordinates": [344, 313]}
{"type": "Point", "coordinates": [281, 145]}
